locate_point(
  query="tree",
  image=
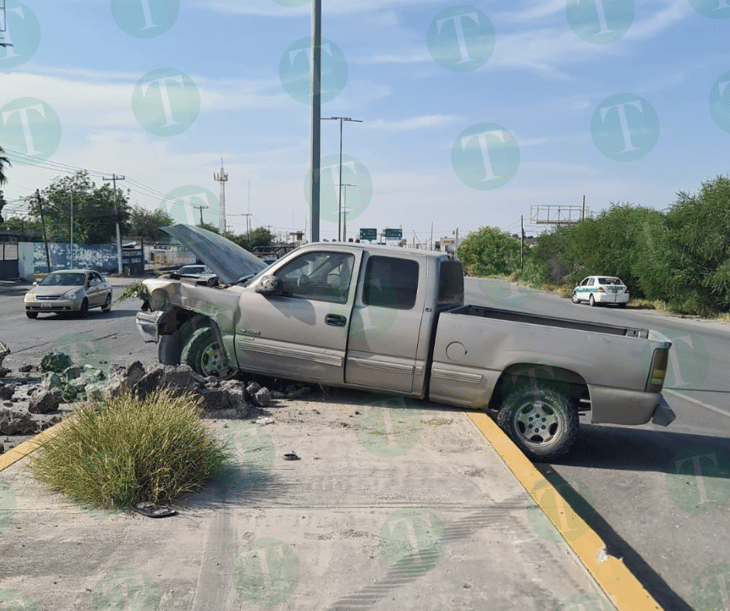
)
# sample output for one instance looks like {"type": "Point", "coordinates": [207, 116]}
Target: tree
{"type": "Point", "coordinates": [146, 224]}
{"type": "Point", "coordinates": [490, 252]}
{"type": "Point", "coordinates": [2, 205]}
{"type": "Point", "coordinates": [261, 236]}
{"type": "Point", "coordinates": [209, 227]}
{"type": "Point", "coordinates": [94, 209]}
{"type": "Point", "coordinates": [29, 229]}
{"type": "Point", "coordinates": [699, 228]}
{"type": "Point", "coordinates": [4, 162]}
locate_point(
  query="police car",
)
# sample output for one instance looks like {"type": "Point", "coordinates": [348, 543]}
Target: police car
{"type": "Point", "coordinates": [601, 289]}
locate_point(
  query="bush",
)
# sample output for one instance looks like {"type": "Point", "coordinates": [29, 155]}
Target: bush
{"type": "Point", "coordinates": [116, 452]}
{"type": "Point", "coordinates": [490, 252]}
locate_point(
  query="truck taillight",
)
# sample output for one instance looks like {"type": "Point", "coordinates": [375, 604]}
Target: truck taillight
{"type": "Point", "coordinates": [658, 370]}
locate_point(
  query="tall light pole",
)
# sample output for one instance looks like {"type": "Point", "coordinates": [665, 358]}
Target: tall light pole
{"type": "Point", "coordinates": [339, 195]}
{"type": "Point", "coordinates": [344, 224]}
{"type": "Point", "coordinates": [316, 115]}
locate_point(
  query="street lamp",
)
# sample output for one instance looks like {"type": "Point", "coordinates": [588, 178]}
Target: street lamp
{"type": "Point", "coordinates": [344, 224]}
{"type": "Point", "coordinates": [339, 195]}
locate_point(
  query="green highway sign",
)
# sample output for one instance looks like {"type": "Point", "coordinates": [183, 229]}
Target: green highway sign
{"type": "Point", "coordinates": [393, 233]}
{"type": "Point", "coordinates": [369, 234]}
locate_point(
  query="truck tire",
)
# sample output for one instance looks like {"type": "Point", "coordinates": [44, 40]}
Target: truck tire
{"type": "Point", "coordinates": [540, 420]}
{"type": "Point", "coordinates": [202, 352]}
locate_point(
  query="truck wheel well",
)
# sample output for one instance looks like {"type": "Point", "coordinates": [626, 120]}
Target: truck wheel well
{"type": "Point", "coordinates": [177, 326]}
{"type": "Point", "coordinates": [522, 374]}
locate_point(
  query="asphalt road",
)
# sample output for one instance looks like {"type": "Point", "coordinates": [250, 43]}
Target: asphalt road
{"type": "Point", "coordinates": [657, 496]}
{"type": "Point", "coordinates": [106, 335]}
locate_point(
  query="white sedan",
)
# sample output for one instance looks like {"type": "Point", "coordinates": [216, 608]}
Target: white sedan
{"type": "Point", "coordinates": [601, 289]}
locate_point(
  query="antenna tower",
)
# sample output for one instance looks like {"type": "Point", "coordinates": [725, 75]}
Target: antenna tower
{"type": "Point", "coordinates": [222, 177]}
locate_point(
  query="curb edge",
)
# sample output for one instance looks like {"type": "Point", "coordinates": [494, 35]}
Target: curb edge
{"type": "Point", "coordinates": [619, 584]}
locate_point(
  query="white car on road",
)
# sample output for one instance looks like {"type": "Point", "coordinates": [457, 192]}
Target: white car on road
{"type": "Point", "coordinates": [69, 291]}
{"type": "Point", "coordinates": [601, 289]}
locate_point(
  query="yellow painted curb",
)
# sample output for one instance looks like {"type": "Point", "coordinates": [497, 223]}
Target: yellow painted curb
{"type": "Point", "coordinates": [19, 452]}
{"type": "Point", "coordinates": [611, 574]}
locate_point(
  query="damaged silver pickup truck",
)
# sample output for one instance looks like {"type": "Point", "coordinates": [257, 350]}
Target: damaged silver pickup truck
{"type": "Point", "coordinates": [394, 320]}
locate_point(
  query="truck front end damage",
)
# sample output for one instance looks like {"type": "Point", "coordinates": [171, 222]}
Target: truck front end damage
{"type": "Point", "coordinates": [191, 323]}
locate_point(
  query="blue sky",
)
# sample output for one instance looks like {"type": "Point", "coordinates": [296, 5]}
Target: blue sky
{"type": "Point", "coordinates": [471, 113]}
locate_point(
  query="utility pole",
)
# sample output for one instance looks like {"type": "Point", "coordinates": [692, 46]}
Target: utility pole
{"type": "Point", "coordinates": [222, 177]}
{"type": "Point", "coordinates": [248, 216]}
{"type": "Point", "coordinates": [339, 195]}
{"type": "Point", "coordinates": [201, 212]}
{"type": "Point", "coordinates": [583, 210]}
{"type": "Point", "coordinates": [43, 225]}
{"type": "Point", "coordinates": [72, 228]}
{"type": "Point", "coordinates": [316, 115]}
{"type": "Point", "coordinates": [522, 243]}
{"type": "Point", "coordinates": [114, 180]}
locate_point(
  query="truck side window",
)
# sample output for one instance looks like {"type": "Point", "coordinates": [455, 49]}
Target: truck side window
{"type": "Point", "coordinates": [390, 283]}
{"type": "Point", "coordinates": [321, 276]}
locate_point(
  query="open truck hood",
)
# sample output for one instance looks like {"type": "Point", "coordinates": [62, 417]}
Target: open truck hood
{"type": "Point", "coordinates": [227, 260]}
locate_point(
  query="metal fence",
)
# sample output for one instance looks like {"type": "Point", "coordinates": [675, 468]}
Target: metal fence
{"type": "Point", "coordinates": [8, 257]}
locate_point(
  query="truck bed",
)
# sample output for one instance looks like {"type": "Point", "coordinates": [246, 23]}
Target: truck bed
{"type": "Point", "coordinates": [474, 345]}
{"type": "Point", "coordinates": [549, 321]}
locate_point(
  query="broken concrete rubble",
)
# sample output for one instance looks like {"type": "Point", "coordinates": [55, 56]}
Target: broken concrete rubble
{"type": "Point", "coordinates": [4, 351]}
{"type": "Point", "coordinates": [6, 392]}
{"type": "Point", "coordinates": [44, 402]}
{"type": "Point", "coordinates": [40, 396]}
{"type": "Point", "coordinates": [70, 382]}
{"type": "Point", "coordinates": [16, 423]}
{"type": "Point", "coordinates": [262, 397]}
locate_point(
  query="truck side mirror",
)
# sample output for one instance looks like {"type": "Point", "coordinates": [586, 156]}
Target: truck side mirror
{"type": "Point", "coordinates": [270, 285]}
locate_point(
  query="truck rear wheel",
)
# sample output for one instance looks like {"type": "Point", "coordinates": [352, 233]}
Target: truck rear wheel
{"type": "Point", "coordinates": [202, 352]}
{"type": "Point", "coordinates": [540, 420]}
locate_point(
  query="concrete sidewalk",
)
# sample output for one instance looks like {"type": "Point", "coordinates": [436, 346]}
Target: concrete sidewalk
{"type": "Point", "coordinates": [387, 508]}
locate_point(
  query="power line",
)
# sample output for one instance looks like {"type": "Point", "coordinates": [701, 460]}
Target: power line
{"type": "Point", "coordinates": [137, 187]}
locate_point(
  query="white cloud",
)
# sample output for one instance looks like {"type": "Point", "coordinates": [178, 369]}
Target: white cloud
{"type": "Point", "coordinates": [94, 99]}
{"type": "Point", "coordinates": [674, 11]}
{"type": "Point", "coordinates": [538, 10]}
{"type": "Point", "coordinates": [329, 7]}
{"type": "Point", "coordinates": [423, 122]}
{"type": "Point", "coordinates": [547, 50]}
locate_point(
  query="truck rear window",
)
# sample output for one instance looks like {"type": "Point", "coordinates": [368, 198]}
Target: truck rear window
{"type": "Point", "coordinates": [451, 282]}
{"type": "Point", "coordinates": [390, 283]}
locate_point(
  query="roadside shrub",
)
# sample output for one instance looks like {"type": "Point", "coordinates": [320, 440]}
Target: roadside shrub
{"type": "Point", "coordinates": [116, 452]}
{"type": "Point", "coordinates": [490, 252]}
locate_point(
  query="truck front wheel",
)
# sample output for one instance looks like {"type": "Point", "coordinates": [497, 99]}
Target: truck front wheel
{"type": "Point", "coordinates": [202, 352]}
{"type": "Point", "coordinates": [540, 420]}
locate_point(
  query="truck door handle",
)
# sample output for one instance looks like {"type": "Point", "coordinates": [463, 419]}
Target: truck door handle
{"type": "Point", "coordinates": [336, 320]}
